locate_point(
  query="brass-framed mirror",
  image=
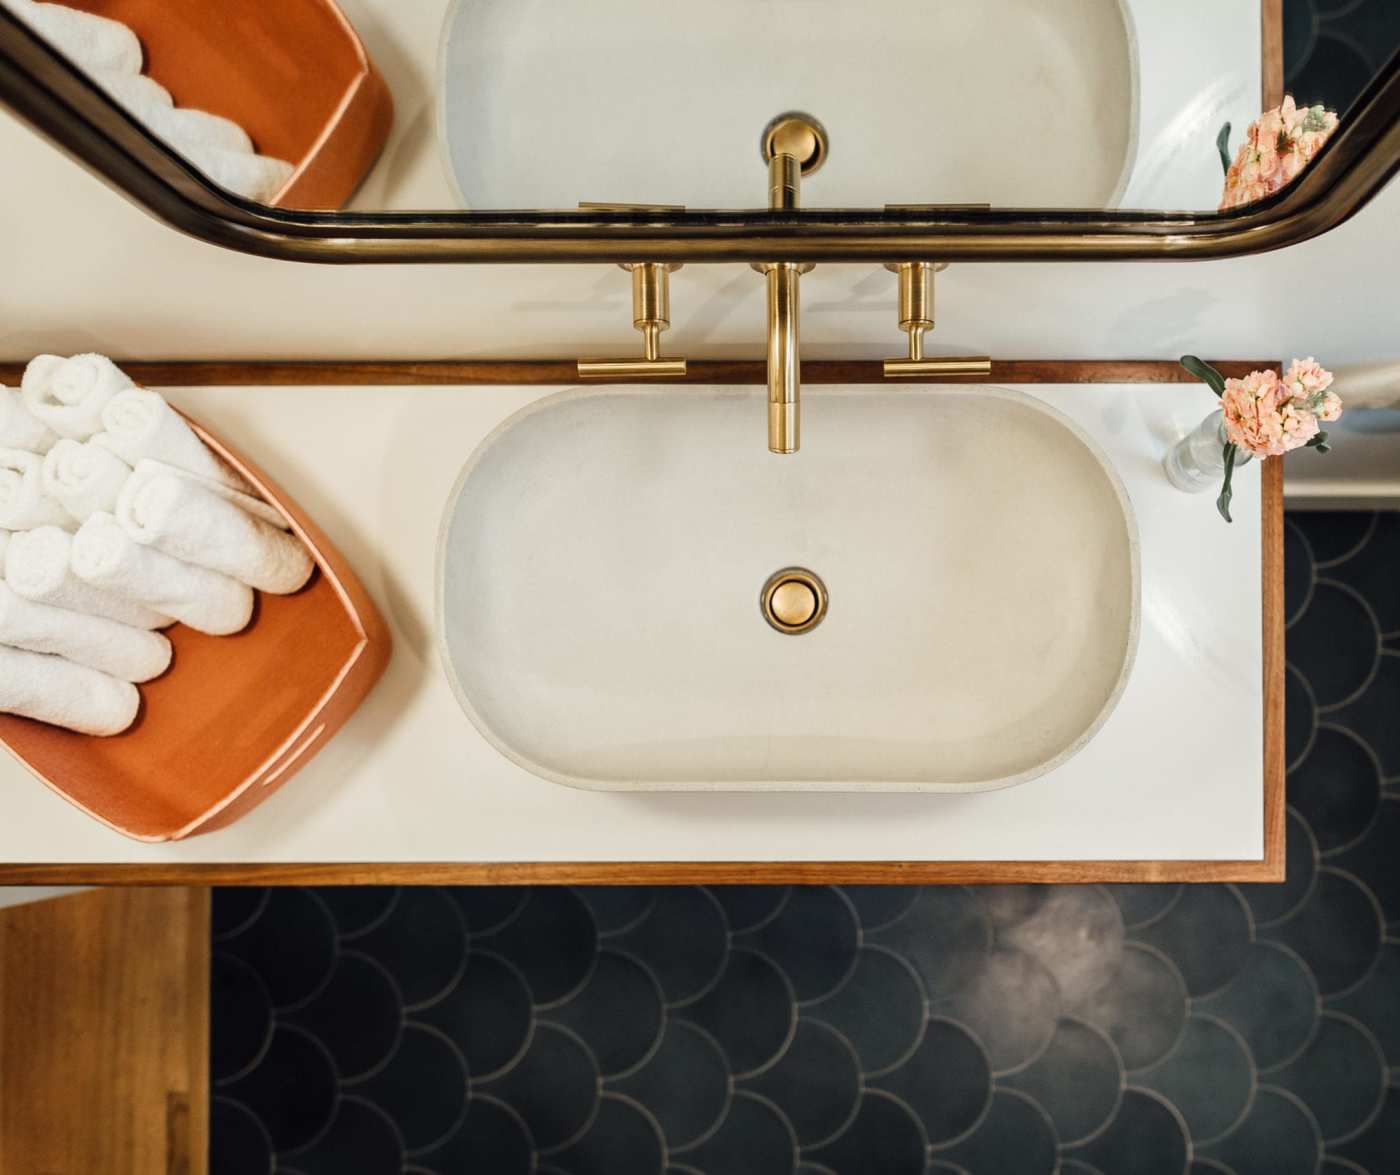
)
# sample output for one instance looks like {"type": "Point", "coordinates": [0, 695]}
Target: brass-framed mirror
{"type": "Point", "coordinates": [1085, 130]}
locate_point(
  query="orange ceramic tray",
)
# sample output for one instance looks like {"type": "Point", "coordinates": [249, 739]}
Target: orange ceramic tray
{"type": "Point", "coordinates": [235, 717]}
{"type": "Point", "coordinates": [292, 73]}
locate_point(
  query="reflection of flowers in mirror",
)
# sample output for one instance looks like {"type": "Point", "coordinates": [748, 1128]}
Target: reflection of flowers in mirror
{"type": "Point", "coordinates": [1277, 147]}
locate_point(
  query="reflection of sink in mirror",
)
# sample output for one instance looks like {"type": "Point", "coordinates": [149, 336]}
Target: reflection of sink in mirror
{"type": "Point", "coordinates": [1007, 102]}
{"type": "Point", "coordinates": [607, 559]}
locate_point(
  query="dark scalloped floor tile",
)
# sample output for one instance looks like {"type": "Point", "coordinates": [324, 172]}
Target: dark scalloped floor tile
{"type": "Point", "coordinates": [292, 1090]}
{"type": "Point", "coordinates": [623, 1136]}
{"type": "Point", "coordinates": [1277, 1137]}
{"type": "Point", "coordinates": [487, 1014]}
{"type": "Point", "coordinates": [1209, 1077]}
{"type": "Point", "coordinates": [686, 1082]}
{"type": "Point", "coordinates": [362, 1138]}
{"type": "Point", "coordinates": [291, 944]}
{"type": "Point", "coordinates": [750, 1011]}
{"type": "Point", "coordinates": [816, 1082]}
{"type": "Point", "coordinates": [1146, 1137]}
{"type": "Point", "coordinates": [358, 1015]}
{"type": "Point", "coordinates": [880, 1009]}
{"type": "Point", "coordinates": [423, 1087]}
{"type": "Point", "coordinates": [1272, 1003]}
{"type": "Point", "coordinates": [239, 1144]}
{"type": "Point", "coordinates": [1078, 1080]}
{"type": "Point", "coordinates": [813, 940]}
{"type": "Point", "coordinates": [618, 1013]}
{"type": "Point", "coordinates": [1335, 643]}
{"type": "Point", "coordinates": [1014, 1135]}
{"type": "Point", "coordinates": [883, 1136]}
{"type": "Point", "coordinates": [240, 1017]}
{"type": "Point", "coordinates": [947, 1082]}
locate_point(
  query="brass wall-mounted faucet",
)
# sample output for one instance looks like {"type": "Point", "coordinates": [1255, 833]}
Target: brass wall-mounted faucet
{"type": "Point", "coordinates": [794, 145]}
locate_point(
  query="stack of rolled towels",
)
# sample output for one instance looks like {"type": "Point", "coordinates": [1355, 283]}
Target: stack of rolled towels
{"type": "Point", "coordinates": [117, 521]}
{"type": "Point", "coordinates": [110, 53]}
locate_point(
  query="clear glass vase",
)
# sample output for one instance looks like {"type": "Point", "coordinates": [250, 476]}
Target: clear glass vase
{"type": "Point", "coordinates": [1197, 462]}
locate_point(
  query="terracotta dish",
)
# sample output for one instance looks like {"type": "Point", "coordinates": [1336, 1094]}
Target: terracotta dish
{"type": "Point", "coordinates": [235, 717]}
{"type": "Point", "coordinates": [292, 73]}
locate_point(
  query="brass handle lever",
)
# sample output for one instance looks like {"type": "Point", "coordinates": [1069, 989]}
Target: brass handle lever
{"type": "Point", "coordinates": [915, 318]}
{"type": "Point", "coordinates": [651, 314]}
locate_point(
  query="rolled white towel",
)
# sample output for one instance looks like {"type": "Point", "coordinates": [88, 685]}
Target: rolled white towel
{"type": "Point", "coordinates": [20, 428]}
{"type": "Point", "coordinates": [138, 425]}
{"type": "Point", "coordinates": [68, 395]}
{"type": "Point", "coordinates": [84, 478]}
{"type": "Point", "coordinates": [94, 42]}
{"type": "Point", "coordinates": [4, 546]}
{"type": "Point", "coordinates": [38, 567]}
{"type": "Point", "coordinates": [253, 505]}
{"type": "Point", "coordinates": [50, 689]}
{"type": "Point", "coordinates": [23, 503]}
{"type": "Point", "coordinates": [131, 654]}
{"type": "Point", "coordinates": [254, 177]}
{"type": "Point", "coordinates": [132, 91]}
{"type": "Point", "coordinates": [186, 520]}
{"type": "Point", "coordinates": [107, 557]}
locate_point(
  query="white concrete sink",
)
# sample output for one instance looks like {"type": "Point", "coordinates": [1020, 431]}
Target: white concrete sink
{"type": "Point", "coordinates": [1010, 102]}
{"type": "Point", "coordinates": [602, 556]}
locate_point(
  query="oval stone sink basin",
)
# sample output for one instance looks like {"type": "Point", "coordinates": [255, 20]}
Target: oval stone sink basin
{"type": "Point", "coordinates": [604, 551]}
{"type": "Point", "coordinates": [1009, 102]}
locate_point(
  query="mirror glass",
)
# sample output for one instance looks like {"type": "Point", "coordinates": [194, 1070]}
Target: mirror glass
{"type": "Point", "coordinates": [375, 105]}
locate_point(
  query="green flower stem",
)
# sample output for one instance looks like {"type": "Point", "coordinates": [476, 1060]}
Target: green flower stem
{"type": "Point", "coordinates": [1222, 503]}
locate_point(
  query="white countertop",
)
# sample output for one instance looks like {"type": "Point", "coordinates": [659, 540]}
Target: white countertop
{"type": "Point", "coordinates": [1176, 773]}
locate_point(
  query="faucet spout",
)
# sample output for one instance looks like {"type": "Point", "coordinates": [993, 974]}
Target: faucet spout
{"type": "Point", "coordinates": [784, 357]}
{"type": "Point", "coordinates": [794, 145]}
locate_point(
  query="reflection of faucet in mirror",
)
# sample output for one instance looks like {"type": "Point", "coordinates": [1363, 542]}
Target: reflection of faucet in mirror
{"type": "Point", "coordinates": [794, 145]}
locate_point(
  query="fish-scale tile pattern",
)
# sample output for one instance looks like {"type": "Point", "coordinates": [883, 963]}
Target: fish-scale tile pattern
{"type": "Point", "coordinates": [1084, 1030]}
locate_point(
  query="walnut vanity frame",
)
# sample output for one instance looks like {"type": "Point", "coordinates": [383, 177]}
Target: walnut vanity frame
{"type": "Point", "coordinates": [1270, 867]}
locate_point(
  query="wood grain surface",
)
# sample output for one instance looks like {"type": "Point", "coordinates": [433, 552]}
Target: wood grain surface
{"type": "Point", "coordinates": [104, 1029]}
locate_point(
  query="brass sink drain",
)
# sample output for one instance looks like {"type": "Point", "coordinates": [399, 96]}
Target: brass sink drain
{"type": "Point", "coordinates": [793, 600]}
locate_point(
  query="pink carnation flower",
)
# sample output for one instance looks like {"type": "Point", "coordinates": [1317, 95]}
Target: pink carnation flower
{"type": "Point", "coordinates": [1270, 415]}
{"type": "Point", "coordinates": [1276, 148]}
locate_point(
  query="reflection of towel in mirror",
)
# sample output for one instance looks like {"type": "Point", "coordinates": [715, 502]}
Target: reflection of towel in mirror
{"type": "Point", "coordinates": [183, 519]}
{"type": "Point", "coordinates": [50, 689]}
{"type": "Point", "coordinates": [23, 503]}
{"type": "Point", "coordinates": [133, 91]}
{"type": "Point", "coordinates": [131, 654]}
{"type": "Point", "coordinates": [188, 129]}
{"type": "Point", "coordinates": [254, 177]}
{"type": "Point", "coordinates": [92, 41]}
{"type": "Point", "coordinates": [37, 567]}
{"type": "Point", "coordinates": [107, 557]}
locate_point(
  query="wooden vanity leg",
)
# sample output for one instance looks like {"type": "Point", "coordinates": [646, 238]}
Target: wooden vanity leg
{"type": "Point", "coordinates": [104, 1034]}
